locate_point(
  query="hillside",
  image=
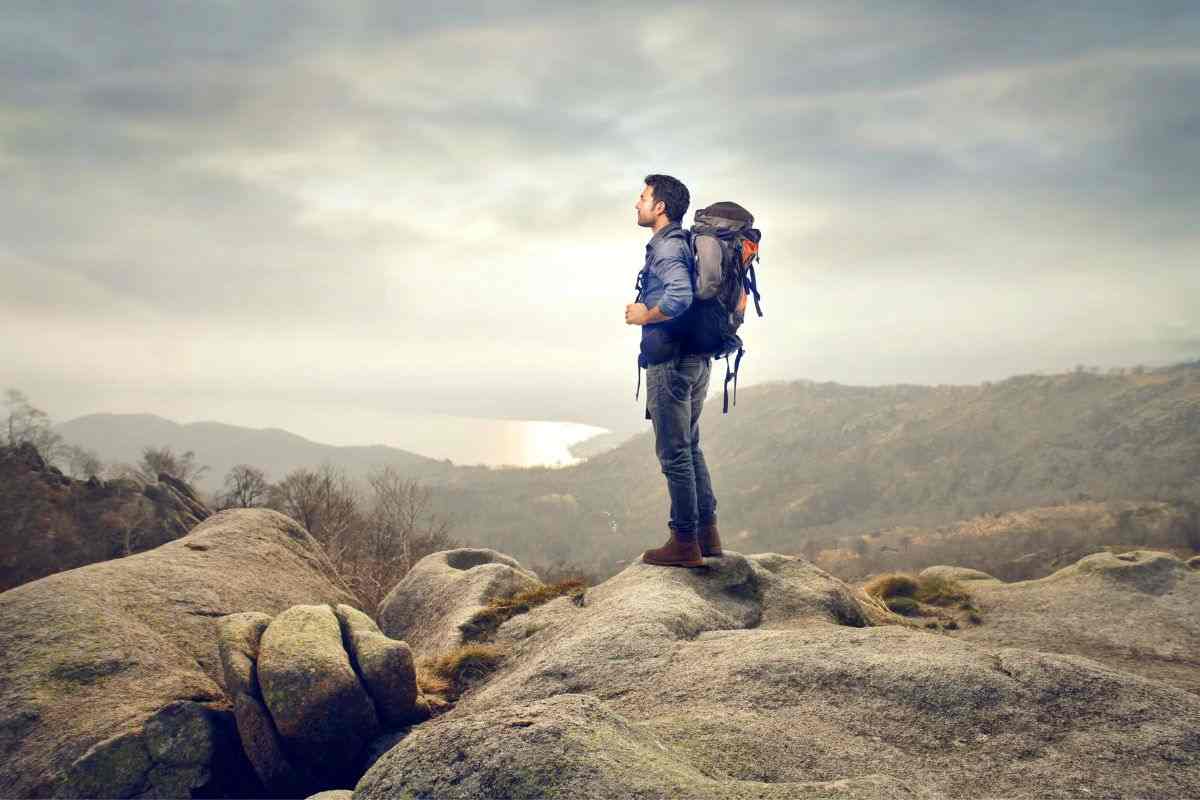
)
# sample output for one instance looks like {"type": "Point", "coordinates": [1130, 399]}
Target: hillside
{"type": "Point", "coordinates": [50, 522]}
{"type": "Point", "coordinates": [121, 437]}
{"type": "Point", "coordinates": [822, 462]}
{"type": "Point", "coordinates": [1020, 545]}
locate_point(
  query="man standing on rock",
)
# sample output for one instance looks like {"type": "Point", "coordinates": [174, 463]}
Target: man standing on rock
{"type": "Point", "coordinates": [676, 381]}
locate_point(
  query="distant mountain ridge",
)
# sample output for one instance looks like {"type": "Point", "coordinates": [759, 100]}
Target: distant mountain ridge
{"type": "Point", "coordinates": [121, 437]}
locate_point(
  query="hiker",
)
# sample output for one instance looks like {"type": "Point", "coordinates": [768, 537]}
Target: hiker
{"type": "Point", "coordinates": [676, 381]}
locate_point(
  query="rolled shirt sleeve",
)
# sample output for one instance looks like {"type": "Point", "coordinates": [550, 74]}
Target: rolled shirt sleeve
{"type": "Point", "coordinates": [672, 270]}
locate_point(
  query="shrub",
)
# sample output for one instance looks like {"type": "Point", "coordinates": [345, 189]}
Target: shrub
{"type": "Point", "coordinates": [908, 595]}
{"type": "Point", "coordinates": [502, 609]}
{"type": "Point", "coordinates": [453, 673]}
{"type": "Point", "coordinates": [892, 584]}
{"type": "Point", "coordinates": [524, 601]}
{"type": "Point", "coordinates": [938, 591]}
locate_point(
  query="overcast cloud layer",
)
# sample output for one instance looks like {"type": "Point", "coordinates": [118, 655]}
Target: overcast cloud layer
{"type": "Point", "coordinates": [220, 210]}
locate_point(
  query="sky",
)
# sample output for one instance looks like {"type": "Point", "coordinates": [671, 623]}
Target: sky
{"type": "Point", "coordinates": [322, 216]}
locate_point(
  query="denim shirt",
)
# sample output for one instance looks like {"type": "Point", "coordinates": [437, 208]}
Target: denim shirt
{"type": "Point", "coordinates": [666, 282]}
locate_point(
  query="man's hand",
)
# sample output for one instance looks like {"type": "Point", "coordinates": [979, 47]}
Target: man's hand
{"type": "Point", "coordinates": [636, 313]}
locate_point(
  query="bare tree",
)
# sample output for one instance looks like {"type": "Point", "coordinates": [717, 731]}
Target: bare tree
{"type": "Point", "coordinates": [400, 529]}
{"type": "Point", "coordinates": [127, 521]}
{"type": "Point", "coordinates": [245, 487]}
{"type": "Point", "coordinates": [26, 424]}
{"type": "Point", "coordinates": [398, 505]}
{"type": "Point", "coordinates": [324, 501]}
{"type": "Point", "coordinates": [119, 470]}
{"type": "Point", "coordinates": [163, 459]}
{"type": "Point", "coordinates": [82, 463]}
{"type": "Point", "coordinates": [372, 542]}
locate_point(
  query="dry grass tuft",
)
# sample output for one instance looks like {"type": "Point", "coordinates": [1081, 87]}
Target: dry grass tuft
{"type": "Point", "coordinates": [938, 591]}
{"type": "Point", "coordinates": [442, 680]}
{"type": "Point", "coordinates": [876, 611]}
{"type": "Point", "coordinates": [498, 611]}
{"type": "Point", "coordinates": [446, 677]}
{"type": "Point", "coordinates": [429, 682]}
{"type": "Point", "coordinates": [524, 601]}
{"type": "Point", "coordinates": [911, 596]}
{"type": "Point", "coordinates": [892, 584]}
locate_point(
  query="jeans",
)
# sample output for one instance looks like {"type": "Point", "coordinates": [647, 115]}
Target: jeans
{"type": "Point", "coordinates": [675, 392]}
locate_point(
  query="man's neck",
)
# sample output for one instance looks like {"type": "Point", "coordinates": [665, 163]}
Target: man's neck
{"type": "Point", "coordinates": [660, 224]}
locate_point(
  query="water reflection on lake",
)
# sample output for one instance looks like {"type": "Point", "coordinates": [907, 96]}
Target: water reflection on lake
{"type": "Point", "coordinates": [463, 440]}
{"type": "Point", "coordinates": [497, 442]}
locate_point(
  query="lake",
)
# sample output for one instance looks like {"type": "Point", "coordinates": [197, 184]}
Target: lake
{"type": "Point", "coordinates": [463, 440]}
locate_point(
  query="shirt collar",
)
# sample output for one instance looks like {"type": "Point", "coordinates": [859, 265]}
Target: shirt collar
{"type": "Point", "coordinates": [662, 232]}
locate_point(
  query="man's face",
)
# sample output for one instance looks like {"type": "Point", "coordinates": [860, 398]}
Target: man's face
{"type": "Point", "coordinates": [645, 208]}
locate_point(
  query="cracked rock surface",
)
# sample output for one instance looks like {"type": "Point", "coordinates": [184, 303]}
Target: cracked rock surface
{"type": "Point", "coordinates": [759, 677]}
{"type": "Point", "coordinates": [111, 683]}
{"type": "Point", "coordinates": [1138, 612]}
{"type": "Point", "coordinates": [320, 708]}
{"type": "Point", "coordinates": [312, 688]}
{"type": "Point", "coordinates": [384, 665]}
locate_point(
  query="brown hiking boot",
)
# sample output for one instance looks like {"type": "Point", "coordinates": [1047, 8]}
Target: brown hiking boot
{"type": "Point", "coordinates": [675, 553]}
{"type": "Point", "coordinates": [709, 540]}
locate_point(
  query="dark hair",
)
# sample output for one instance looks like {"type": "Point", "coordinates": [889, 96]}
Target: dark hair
{"type": "Point", "coordinates": [672, 193]}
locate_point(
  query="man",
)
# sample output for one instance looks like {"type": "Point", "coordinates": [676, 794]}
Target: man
{"type": "Point", "coordinates": [676, 380]}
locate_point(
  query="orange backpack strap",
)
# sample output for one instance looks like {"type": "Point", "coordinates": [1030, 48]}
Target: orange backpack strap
{"type": "Point", "coordinates": [749, 251]}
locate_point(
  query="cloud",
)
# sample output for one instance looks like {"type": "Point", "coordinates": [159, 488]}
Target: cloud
{"type": "Point", "coordinates": [435, 202]}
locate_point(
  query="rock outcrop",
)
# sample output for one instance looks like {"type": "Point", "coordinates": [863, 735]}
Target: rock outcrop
{"type": "Point", "coordinates": [1138, 612]}
{"type": "Point", "coordinates": [111, 679]}
{"type": "Point", "coordinates": [232, 662]}
{"type": "Point", "coordinates": [238, 639]}
{"type": "Point", "coordinates": [311, 688]}
{"type": "Point", "coordinates": [576, 746]}
{"type": "Point", "coordinates": [385, 665]}
{"type": "Point", "coordinates": [443, 593]}
{"type": "Point", "coordinates": [764, 677]}
{"type": "Point", "coordinates": [50, 522]}
{"type": "Point", "coordinates": [319, 706]}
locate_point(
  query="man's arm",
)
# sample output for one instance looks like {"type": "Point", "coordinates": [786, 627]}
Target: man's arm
{"type": "Point", "coordinates": [650, 316]}
{"type": "Point", "coordinates": [638, 314]}
{"type": "Point", "coordinates": [655, 315]}
{"type": "Point", "coordinates": [672, 270]}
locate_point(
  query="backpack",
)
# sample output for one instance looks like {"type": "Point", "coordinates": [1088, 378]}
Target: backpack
{"type": "Point", "coordinates": [725, 246]}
